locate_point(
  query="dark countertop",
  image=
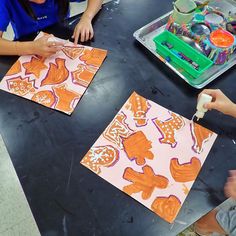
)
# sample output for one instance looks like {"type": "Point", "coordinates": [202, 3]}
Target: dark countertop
{"type": "Point", "coordinates": [46, 146]}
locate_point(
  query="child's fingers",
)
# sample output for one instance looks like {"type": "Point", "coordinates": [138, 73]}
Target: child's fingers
{"type": "Point", "coordinates": [73, 35]}
{"type": "Point", "coordinates": [55, 44]}
{"type": "Point", "coordinates": [230, 181]}
{"type": "Point", "coordinates": [232, 173]}
{"type": "Point", "coordinates": [91, 34]}
{"type": "Point", "coordinates": [87, 35]}
{"type": "Point", "coordinates": [82, 36]}
{"type": "Point", "coordinates": [226, 191]}
{"type": "Point", "coordinates": [203, 92]}
{"type": "Point", "coordinates": [210, 105]}
{"type": "Point", "coordinates": [76, 38]}
{"type": "Point", "coordinates": [211, 92]}
{"type": "Point", "coordinates": [53, 50]}
{"type": "Point", "coordinates": [46, 55]}
{"type": "Point", "coordinates": [46, 36]}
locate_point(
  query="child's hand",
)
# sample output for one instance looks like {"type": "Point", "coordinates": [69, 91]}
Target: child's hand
{"type": "Point", "coordinates": [220, 102]}
{"type": "Point", "coordinates": [43, 47]}
{"type": "Point", "coordinates": [83, 30]}
{"type": "Point", "coordinates": [230, 186]}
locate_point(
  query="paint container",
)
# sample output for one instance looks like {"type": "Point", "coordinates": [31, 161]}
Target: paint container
{"type": "Point", "coordinates": [231, 27]}
{"type": "Point", "coordinates": [215, 19]}
{"type": "Point", "coordinates": [201, 29]}
{"type": "Point", "coordinates": [180, 8]}
{"type": "Point", "coordinates": [221, 44]}
{"type": "Point", "coordinates": [222, 39]}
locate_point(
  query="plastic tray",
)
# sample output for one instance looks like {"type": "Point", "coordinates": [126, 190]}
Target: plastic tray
{"type": "Point", "coordinates": [146, 34]}
{"type": "Point", "coordinates": [180, 46]}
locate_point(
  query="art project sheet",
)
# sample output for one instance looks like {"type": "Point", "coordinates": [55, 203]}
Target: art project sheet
{"type": "Point", "coordinates": [152, 154]}
{"type": "Point", "coordinates": [57, 82]}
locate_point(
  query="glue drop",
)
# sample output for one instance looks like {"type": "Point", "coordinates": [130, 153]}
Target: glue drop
{"type": "Point", "coordinates": [201, 110]}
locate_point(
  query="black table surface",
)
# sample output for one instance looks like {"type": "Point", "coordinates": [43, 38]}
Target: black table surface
{"type": "Point", "coordinates": [46, 146]}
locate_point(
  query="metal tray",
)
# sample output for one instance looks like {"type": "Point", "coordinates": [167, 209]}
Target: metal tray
{"type": "Point", "coordinates": [146, 34]}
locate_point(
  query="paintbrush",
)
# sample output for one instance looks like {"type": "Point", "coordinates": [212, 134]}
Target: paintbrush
{"type": "Point", "coordinates": [199, 7]}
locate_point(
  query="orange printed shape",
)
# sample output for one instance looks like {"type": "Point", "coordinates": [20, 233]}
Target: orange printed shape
{"type": "Point", "coordinates": [21, 86]}
{"type": "Point", "coordinates": [35, 66]}
{"type": "Point", "coordinates": [200, 136]}
{"type": "Point", "coordinates": [117, 130]}
{"type": "Point", "coordinates": [103, 156]}
{"type": "Point", "coordinates": [139, 107]}
{"type": "Point", "coordinates": [185, 172]}
{"type": "Point", "coordinates": [168, 128]}
{"type": "Point", "coordinates": [15, 69]}
{"type": "Point", "coordinates": [65, 98]}
{"type": "Point", "coordinates": [167, 207]}
{"type": "Point", "coordinates": [72, 52]}
{"type": "Point", "coordinates": [57, 73]}
{"type": "Point", "coordinates": [83, 75]}
{"type": "Point", "coordinates": [94, 57]}
{"type": "Point", "coordinates": [45, 98]}
{"type": "Point", "coordinates": [144, 182]}
{"type": "Point", "coordinates": [137, 147]}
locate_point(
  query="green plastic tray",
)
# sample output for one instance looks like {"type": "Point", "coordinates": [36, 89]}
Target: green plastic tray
{"type": "Point", "coordinates": [180, 46]}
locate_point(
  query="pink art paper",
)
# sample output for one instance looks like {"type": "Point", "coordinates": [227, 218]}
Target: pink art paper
{"type": "Point", "coordinates": [57, 82]}
{"type": "Point", "coordinates": [152, 154]}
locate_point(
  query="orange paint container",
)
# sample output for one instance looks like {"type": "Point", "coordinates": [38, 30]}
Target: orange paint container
{"type": "Point", "coordinates": [222, 39]}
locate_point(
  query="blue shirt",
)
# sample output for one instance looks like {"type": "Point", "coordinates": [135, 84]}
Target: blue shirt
{"type": "Point", "coordinates": [12, 12]}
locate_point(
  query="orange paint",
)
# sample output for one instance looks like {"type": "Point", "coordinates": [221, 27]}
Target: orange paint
{"type": "Point", "coordinates": [117, 130]}
{"type": "Point", "coordinates": [93, 57]}
{"type": "Point", "coordinates": [97, 157]}
{"type": "Point", "coordinates": [200, 136]}
{"type": "Point", "coordinates": [137, 147]}
{"type": "Point", "coordinates": [185, 189]}
{"type": "Point", "coordinates": [15, 69]}
{"type": "Point", "coordinates": [144, 182]}
{"type": "Point", "coordinates": [20, 86]}
{"type": "Point", "coordinates": [45, 98]}
{"type": "Point", "coordinates": [35, 66]}
{"type": "Point", "coordinates": [167, 207]}
{"type": "Point", "coordinates": [139, 107]}
{"type": "Point", "coordinates": [57, 73]}
{"type": "Point", "coordinates": [84, 75]}
{"type": "Point", "coordinates": [65, 98]}
{"type": "Point", "coordinates": [168, 128]}
{"type": "Point", "coordinates": [221, 38]}
{"type": "Point", "coordinates": [185, 172]}
{"type": "Point", "coordinates": [72, 52]}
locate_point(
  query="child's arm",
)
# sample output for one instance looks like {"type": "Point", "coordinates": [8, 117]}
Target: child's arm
{"type": "Point", "coordinates": [220, 102]}
{"type": "Point", "coordinates": [84, 29]}
{"type": "Point", "coordinates": [230, 186]}
{"type": "Point", "coordinates": [39, 47]}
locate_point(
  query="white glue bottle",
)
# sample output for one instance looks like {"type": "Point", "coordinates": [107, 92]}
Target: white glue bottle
{"type": "Point", "coordinates": [201, 110]}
